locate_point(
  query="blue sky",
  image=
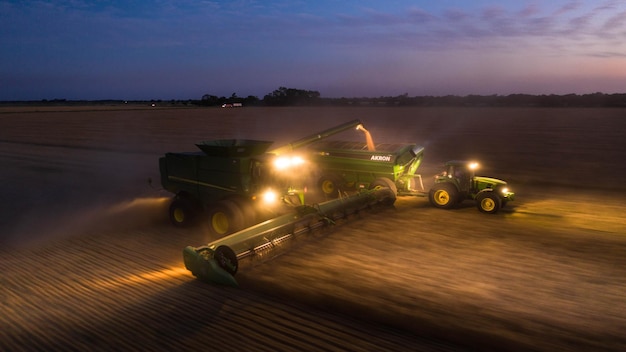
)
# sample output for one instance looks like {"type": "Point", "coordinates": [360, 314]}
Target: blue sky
{"type": "Point", "coordinates": [166, 49]}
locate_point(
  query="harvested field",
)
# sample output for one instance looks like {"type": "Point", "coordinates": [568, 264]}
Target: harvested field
{"type": "Point", "coordinates": [89, 260]}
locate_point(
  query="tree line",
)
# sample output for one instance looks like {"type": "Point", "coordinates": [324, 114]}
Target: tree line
{"type": "Point", "coordinates": [284, 96]}
{"type": "Point", "coordinates": [299, 97]}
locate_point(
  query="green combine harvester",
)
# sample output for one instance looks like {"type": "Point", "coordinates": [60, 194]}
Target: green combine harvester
{"type": "Point", "coordinates": [232, 182]}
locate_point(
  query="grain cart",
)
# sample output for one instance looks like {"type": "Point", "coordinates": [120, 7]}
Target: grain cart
{"type": "Point", "coordinates": [458, 183]}
{"type": "Point", "coordinates": [350, 166]}
{"type": "Point", "coordinates": [227, 180]}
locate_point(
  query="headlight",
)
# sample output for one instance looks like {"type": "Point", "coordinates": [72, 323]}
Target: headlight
{"type": "Point", "coordinates": [269, 197]}
{"type": "Point", "coordinates": [504, 190]}
{"type": "Point", "coordinates": [285, 162]}
{"type": "Point", "coordinates": [473, 166]}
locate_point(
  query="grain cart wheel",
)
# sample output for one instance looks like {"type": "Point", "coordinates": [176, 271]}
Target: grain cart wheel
{"type": "Point", "coordinates": [182, 212]}
{"type": "Point", "coordinates": [488, 202]}
{"type": "Point", "coordinates": [330, 185]}
{"type": "Point", "coordinates": [384, 182]}
{"type": "Point", "coordinates": [225, 217]}
{"type": "Point", "coordinates": [443, 195]}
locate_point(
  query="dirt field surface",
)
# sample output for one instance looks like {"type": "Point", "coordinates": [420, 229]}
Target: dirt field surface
{"type": "Point", "coordinates": [89, 260]}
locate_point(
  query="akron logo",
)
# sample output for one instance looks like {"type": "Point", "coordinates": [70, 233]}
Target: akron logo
{"type": "Point", "coordinates": [381, 157]}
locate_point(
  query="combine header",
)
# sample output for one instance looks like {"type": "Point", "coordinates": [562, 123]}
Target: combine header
{"type": "Point", "coordinates": [218, 261]}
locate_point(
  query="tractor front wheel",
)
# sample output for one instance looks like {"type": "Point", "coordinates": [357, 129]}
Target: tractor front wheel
{"type": "Point", "coordinates": [225, 217]}
{"type": "Point", "coordinates": [443, 195]}
{"type": "Point", "coordinates": [488, 202]}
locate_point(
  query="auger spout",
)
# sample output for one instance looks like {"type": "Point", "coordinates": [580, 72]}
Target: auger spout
{"type": "Point", "coordinates": [303, 142]}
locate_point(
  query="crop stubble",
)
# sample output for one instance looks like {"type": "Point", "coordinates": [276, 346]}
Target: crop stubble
{"type": "Point", "coordinates": [89, 259]}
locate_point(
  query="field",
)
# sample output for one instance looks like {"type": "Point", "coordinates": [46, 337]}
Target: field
{"type": "Point", "coordinates": [89, 260]}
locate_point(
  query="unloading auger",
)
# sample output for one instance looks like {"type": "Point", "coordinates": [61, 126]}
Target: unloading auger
{"type": "Point", "coordinates": [218, 261]}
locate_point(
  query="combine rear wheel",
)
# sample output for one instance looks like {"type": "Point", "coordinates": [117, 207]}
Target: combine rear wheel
{"type": "Point", "coordinates": [225, 217]}
{"type": "Point", "coordinates": [443, 195]}
{"type": "Point", "coordinates": [488, 202]}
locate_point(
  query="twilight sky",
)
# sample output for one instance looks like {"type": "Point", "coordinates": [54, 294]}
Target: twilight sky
{"type": "Point", "coordinates": [183, 49]}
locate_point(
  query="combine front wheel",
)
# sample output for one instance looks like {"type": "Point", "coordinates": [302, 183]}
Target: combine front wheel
{"type": "Point", "coordinates": [225, 217]}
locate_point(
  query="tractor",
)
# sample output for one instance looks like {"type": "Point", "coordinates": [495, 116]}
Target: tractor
{"type": "Point", "coordinates": [459, 183]}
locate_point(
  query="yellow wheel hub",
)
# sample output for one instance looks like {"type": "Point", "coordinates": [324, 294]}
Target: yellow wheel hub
{"type": "Point", "coordinates": [328, 187]}
{"type": "Point", "coordinates": [220, 222]}
{"type": "Point", "coordinates": [179, 215]}
{"type": "Point", "coordinates": [487, 204]}
{"type": "Point", "coordinates": [441, 197]}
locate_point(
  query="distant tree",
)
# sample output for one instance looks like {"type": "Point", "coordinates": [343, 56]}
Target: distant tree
{"type": "Point", "coordinates": [208, 100]}
{"type": "Point", "coordinates": [290, 96]}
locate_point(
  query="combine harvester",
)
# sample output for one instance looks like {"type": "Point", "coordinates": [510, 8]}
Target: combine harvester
{"type": "Point", "coordinates": [228, 179]}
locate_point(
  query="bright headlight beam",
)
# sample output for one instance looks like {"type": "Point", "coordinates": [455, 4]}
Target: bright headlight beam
{"type": "Point", "coordinates": [285, 162]}
{"type": "Point", "coordinates": [269, 197]}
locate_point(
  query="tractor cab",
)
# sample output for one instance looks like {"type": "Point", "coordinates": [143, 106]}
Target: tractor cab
{"type": "Point", "coordinates": [461, 173]}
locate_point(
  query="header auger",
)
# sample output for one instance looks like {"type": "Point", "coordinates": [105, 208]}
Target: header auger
{"type": "Point", "coordinates": [218, 261]}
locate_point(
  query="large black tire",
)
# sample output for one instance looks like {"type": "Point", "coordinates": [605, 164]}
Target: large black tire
{"type": "Point", "coordinates": [444, 195]}
{"type": "Point", "coordinates": [225, 217]}
{"type": "Point", "coordinates": [384, 182]}
{"type": "Point", "coordinates": [182, 212]}
{"type": "Point", "coordinates": [488, 202]}
{"type": "Point", "coordinates": [247, 210]}
{"type": "Point", "coordinates": [330, 185]}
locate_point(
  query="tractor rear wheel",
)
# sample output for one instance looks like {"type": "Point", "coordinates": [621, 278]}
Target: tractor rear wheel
{"type": "Point", "coordinates": [488, 202]}
{"type": "Point", "coordinates": [443, 195]}
{"type": "Point", "coordinates": [225, 217]}
{"type": "Point", "coordinates": [384, 182]}
{"type": "Point", "coordinates": [182, 212]}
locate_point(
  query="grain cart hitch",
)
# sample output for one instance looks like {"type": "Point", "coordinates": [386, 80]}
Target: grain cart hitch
{"type": "Point", "coordinates": [218, 261]}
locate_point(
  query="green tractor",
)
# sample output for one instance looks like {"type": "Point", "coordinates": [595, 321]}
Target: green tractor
{"type": "Point", "coordinates": [459, 183]}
